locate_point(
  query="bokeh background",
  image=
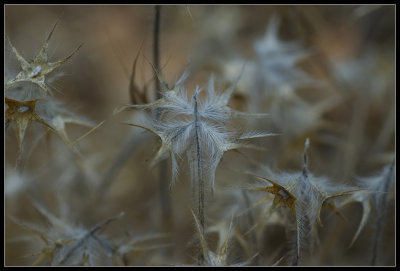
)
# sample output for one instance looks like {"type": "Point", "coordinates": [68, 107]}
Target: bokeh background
{"type": "Point", "coordinates": [349, 50]}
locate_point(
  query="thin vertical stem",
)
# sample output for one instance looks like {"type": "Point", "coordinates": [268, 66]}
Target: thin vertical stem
{"type": "Point", "coordinates": [200, 179]}
{"type": "Point", "coordinates": [156, 47]}
{"type": "Point", "coordinates": [163, 166]}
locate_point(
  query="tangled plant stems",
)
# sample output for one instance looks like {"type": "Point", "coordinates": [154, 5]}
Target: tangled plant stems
{"type": "Point", "coordinates": [254, 140]}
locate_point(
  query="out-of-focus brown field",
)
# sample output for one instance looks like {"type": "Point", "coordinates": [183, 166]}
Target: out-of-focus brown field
{"type": "Point", "coordinates": [329, 77]}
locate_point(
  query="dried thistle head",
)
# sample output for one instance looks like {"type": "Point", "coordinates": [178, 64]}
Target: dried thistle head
{"type": "Point", "coordinates": [195, 127]}
{"type": "Point", "coordinates": [305, 195]}
{"type": "Point", "coordinates": [22, 113]}
{"type": "Point", "coordinates": [376, 190]}
{"type": "Point", "coordinates": [68, 244]}
{"type": "Point", "coordinates": [48, 113]}
{"type": "Point", "coordinates": [276, 61]}
{"type": "Point", "coordinates": [36, 71]}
